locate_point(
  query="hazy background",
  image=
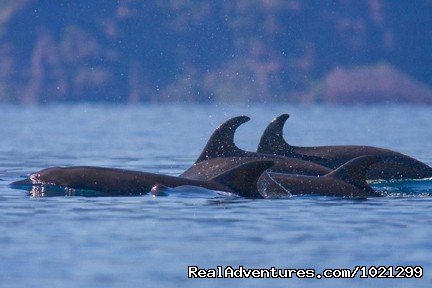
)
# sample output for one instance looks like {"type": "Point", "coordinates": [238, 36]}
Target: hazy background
{"type": "Point", "coordinates": [216, 51]}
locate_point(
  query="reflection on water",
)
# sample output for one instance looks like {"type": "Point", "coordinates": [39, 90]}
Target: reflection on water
{"type": "Point", "coordinates": [82, 241]}
{"type": "Point", "coordinates": [397, 188]}
{"type": "Point", "coordinates": [405, 188]}
{"type": "Point", "coordinates": [55, 191]}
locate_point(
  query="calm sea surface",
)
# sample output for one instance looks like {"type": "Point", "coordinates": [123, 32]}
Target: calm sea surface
{"type": "Point", "coordinates": [150, 241]}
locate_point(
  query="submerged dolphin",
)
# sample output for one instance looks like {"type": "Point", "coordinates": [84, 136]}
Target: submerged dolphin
{"type": "Point", "coordinates": [221, 154]}
{"type": "Point", "coordinates": [241, 180]}
{"type": "Point", "coordinates": [393, 165]}
{"type": "Point", "coordinates": [349, 180]}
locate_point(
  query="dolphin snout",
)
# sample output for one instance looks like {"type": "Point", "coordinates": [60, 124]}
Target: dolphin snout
{"type": "Point", "coordinates": [33, 179]}
{"type": "Point", "coordinates": [21, 183]}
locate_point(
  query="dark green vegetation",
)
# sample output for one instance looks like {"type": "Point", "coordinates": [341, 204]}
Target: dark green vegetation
{"type": "Point", "coordinates": [342, 51]}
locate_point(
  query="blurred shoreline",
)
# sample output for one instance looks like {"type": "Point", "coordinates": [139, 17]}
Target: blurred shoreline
{"type": "Point", "coordinates": [344, 51]}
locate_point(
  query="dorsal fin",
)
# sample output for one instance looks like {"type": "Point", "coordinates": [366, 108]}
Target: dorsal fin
{"type": "Point", "coordinates": [221, 142]}
{"type": "Point", "coordinates": [354, 171]}
{"type": "Point", "coordinates": [272, 141]}
{"type": "Point", "coordinates": [244, 178]}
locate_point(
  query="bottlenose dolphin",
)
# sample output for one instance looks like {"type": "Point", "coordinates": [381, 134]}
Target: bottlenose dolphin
{"type": "Point", "coordinates": [393, 165]}
{"type": "Point", "coordinates": [349, 180]}
{"type": "Point", "coordinates": [221, 154]}
{"type": "Point", "coordinates": [241, 180]}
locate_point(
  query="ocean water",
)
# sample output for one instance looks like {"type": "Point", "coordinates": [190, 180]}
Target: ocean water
{"type": "Point", "coordinates": [146, 241]}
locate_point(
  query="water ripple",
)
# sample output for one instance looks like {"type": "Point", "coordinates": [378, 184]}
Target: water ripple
{"type": "Point", "coordinates": [75, 241]}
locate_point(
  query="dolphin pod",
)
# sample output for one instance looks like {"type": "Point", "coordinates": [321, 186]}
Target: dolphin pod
{"type": "Point", "coordinates": [392, 165]}
{"type": "Point", "coordinates": [277, 169]}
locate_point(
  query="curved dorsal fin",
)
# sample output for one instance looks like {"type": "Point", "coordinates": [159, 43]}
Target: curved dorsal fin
{"type": "Point", "coordinates": [272, 141]}
{"type": "Point", "coordinates": [243, 179]}
{"type": "Point", "coordinates": [355, 170]}
{"type": "Point", "coordinates": [221, 142]}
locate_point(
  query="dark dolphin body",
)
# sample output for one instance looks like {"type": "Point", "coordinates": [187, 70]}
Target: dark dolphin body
{"type": "Point", "coordinates": [393, 165]}
{"type": "Point", "coordinates": [221, 154]}
{"type": "Point", "coordinates": [349, 180]}
{"type": "Point", "coordinates": [240, 180]}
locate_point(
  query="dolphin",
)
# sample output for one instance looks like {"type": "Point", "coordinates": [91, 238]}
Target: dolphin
{"type": "Point", "coordinates": [392, 165]}
{"type": "Point", "coordinates": [349, 180]}
{"type": "Point", "coordinates": [221, 154]}
{"type": "Point", "coordinates": [241, 180]}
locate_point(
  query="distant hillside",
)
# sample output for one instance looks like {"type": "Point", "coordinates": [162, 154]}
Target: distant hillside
{"type": "Point", "coordinates": [342, 51]}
